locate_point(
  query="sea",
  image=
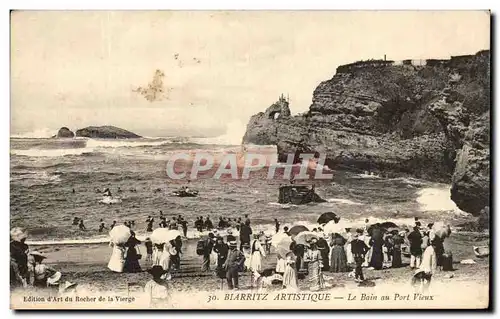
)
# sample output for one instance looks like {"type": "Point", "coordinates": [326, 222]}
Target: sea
{"type": "Point", "coordinates": [45, 171]}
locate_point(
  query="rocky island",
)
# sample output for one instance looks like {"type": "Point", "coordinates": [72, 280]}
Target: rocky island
{"type": "Point", "coordinates": [64, 132]}
{"type": "Point", "coordinates": [107, 131]}
{"type": "Point", "coordinates": [423, 118]}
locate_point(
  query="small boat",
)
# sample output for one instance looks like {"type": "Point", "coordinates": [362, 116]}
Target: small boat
{"type": "Point", "coordinates": [183, 193]}
{"type": "Point", "coordinates": [481, 251]}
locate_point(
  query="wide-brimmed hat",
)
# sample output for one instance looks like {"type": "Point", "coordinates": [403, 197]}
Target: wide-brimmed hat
{"type": "Point", "coordinates": [157, 270]}
{"type": "Point", "coordinates": [18, 234]}
{"type": "Point", "coordinates": [54, 279]}
{"type": "Point", "coordinates": [233, 243]}
{"type": "Point", "coordinates": [37, 254]}
{"type": "Point", "coordinates": [67, 286]}
{"type": "Point", "coordinates": [312, 240]}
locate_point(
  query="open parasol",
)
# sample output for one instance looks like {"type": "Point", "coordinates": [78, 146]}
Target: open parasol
{"type": "Point", "coordinates": [173, 234]}
{"type": "Point", "coordinates": [283, 247]}
{"type": "Point", "coordinates": [332, 227]}
{"type": "Point", "coordinates": [443, 232]}
{"type": "Point", "coordinates": [304, 237]}
{"type": "Point", "coordinates": [388, 225]}
{"type": "Point", "coordinates": [297, 229]}
{"type": "Point", "coordinates": [327, 217]}
{"type": "Point", "coordinates": [18, 234]}
{"type": "Point", "coordinates": [161, 236]}
{"type": "Point", "coordinates": [278, 238]}
{"type": "Point", "coordinates": [119, 234]}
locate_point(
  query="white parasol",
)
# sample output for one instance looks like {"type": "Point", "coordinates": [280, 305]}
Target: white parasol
{"type": "Point", "coordinates": [277, 238]}
{"type": "Point", "coordinates": [160, 236]}
{"type": "Point", "coordinates": [173, 234]}
{"type": "Point", "coordinates": [331, 227]}
{"type": "Point", "coordinates": [119, 234]}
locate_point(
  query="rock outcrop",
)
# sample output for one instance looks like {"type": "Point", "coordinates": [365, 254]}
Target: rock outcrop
{"type": "Point", "coordinates": [105, 132]}
{"type": "Point", "coordinates": [65, 132]}
{"type": "Point", "coordinates": [427, 118]}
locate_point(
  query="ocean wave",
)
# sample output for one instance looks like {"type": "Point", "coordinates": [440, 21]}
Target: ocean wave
{"type": "Point", "coordinates": [436, 199]}
{"type": "Point", "coordinates": [342, 201]}
{"type": "Point", "coordinates": [40, 133]}
{"type": "Point", "coordinates": [101, 143]}
{"type": "Point", "coordinates": [36, 178]}
{"type": "Point", "coordinates": [51, 152]}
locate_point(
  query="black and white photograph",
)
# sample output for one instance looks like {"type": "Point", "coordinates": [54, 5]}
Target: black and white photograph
{"type": "Point", "coordinates": [252, 160]}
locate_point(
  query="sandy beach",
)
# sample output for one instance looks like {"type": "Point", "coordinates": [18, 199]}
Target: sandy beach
{"type": "Point", "coordinates": [87, 265]}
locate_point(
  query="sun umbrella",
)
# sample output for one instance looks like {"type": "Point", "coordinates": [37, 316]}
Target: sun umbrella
{"type": "Point", "coordinates": [326, 217]}
{"type": "Point", "coordinates": [283, 247]}
{"type": "Point", "coordinates": [297, 229]}
{"type": "Point", "coordinates": [160, 236]}
{"type": "Point", "coordinates": [332, 227]}
{"type": "Point", "coordinates": [304, 237]}
{"type": "Point", "coordinates": [173, 234]}
{"type": "Point", "coordinates": [388, 225]}
{"type": "Point", "coordinates": [119, 234]}
{"type": "Point", "coordinates": [443, 232]}
{"type": "Point", "coordinates": [278, 238]}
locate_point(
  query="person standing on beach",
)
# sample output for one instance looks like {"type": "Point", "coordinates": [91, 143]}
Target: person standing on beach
{"type": "Point", "coordinates": [149, 249]}
{"type": "Point", "coordinates": [163, 222]}
{"type": "Point", "coordinates": [238, 224]}
{"type": "Point", "coordinates": [184, 225]}
{"type": "Point", "coordinates": [256, 254]}
{"type": "Point", "coordinates": [233, 265]}
{"type": "Point", "coordinates": [276, 225]}
{"type": "Point", "coordinates": [245, 233]}
{"type": "Point", "coordinates": [359, 250]}
{"type": "Point", "coordinates": [247, 219]}
{"type": "Point", "coordinates": [112, 225]}
{"type": "Point", "coordinates": [133, 255]}
{"type": "Point", "coordinates": [157, 289]}
{"type": "Point", "coordinates": [209, 243]}
{"type": "Point", "coordinates": [208, 224]}
{"type": "Point", "coordinates": [427, 268]}
{"type": "Point", "coordinates": [222, 249]}
{"type": "Point", "coordinates": [19, 273]}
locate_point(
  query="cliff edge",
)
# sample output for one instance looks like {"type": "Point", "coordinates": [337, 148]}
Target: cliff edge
{"type": "Point", "coordinates": [422, 118]}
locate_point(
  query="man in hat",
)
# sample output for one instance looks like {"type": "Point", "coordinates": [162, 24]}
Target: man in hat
{"type": "Point", "coordinates": [209, 244]}
{"type": "Point", "coordinates": [230, 236]}
{"type": "Point", "coordinates": [222, 250]}
{"type": "Point", "coordinates": [415, 239]}
{"type": "Point", "coordinates": [359, 250]}
{"type": "Point", "coordinates": [276, 225]}
{"type": "Point", "coordinates": [234, 264]}
{"type": "Point", "coordinates": [245, 233]}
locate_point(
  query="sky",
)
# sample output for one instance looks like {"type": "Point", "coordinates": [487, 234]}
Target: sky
{"type": "Point", "coordinates": [80, 68]}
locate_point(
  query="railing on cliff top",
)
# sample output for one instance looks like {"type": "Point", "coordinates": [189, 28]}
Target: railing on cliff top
{"type": "Point", "coordinates": [415, 62]}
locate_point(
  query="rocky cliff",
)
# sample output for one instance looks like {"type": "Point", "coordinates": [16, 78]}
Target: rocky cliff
{"type": "Point", "coordinates": [65, 132]}
{"type": "Point", "coordinates": [428, 119]}
{"type": "Point", "coordinates": [105, 132]}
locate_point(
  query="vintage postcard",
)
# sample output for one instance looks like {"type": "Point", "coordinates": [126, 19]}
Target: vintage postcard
{"type": "Point", "coordinates": [250, 160]}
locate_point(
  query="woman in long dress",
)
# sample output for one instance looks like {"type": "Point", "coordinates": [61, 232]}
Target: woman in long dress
{"type": "Point", "coordinates": [313, 258]}
{"type": "Point", "coordinates": [396, 251]}
{"type": "Point", "coordinates": [338, 259]}
{"type": "Point", "coordinates": [157, 289]}
{"type": "Point", "coordinates": [117, 259]}
{"type": "Point", "coordinates": [132, 257]}
{"type": "Point", "coordinates": [257, 252]}
{"type": "Point", "coordinates": [348, 250]}
{"type": "Point", "coordinates": [161, 257]}
{"type": "Point", "coordinates": [290, 274]}
{"type": "Point", "coordinates": [377, 257]}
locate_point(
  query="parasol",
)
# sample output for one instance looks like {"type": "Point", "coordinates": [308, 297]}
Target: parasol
{"type": "Point", "coordinates": [332, 227]}
{"type": "Point", "coordinates": [173, 234]}
{"type": "Point", "coordinates": [160, 236]}
{"type": "Point", "coordinates": [304, 237]}
{"type": "Point", "coordinates": [327, 217]}
{"type": "Point", "coordinates": [388, 225]}
{"type": "Point", "coordinates": [443, 232]}
{"type": "Point", "coordinates": [283, 247]}
{"type": "Point", "coordinates": [297, 229]}
{"type": "Point", "coordinates": [277, 238]}
{"type": "Point", "coordinates": [119, 234]}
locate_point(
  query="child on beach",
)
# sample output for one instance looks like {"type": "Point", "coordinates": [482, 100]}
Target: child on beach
{"type": "Point", "coordinates": [157, 289]}
{"type": "Point", "coordinates": [149, 249]}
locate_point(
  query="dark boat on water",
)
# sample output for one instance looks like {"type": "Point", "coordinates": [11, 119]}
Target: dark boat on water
{"type": "Point", "coordinates": [298, 195]}
{"type": "Point", "coordinates": [183, 193]}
